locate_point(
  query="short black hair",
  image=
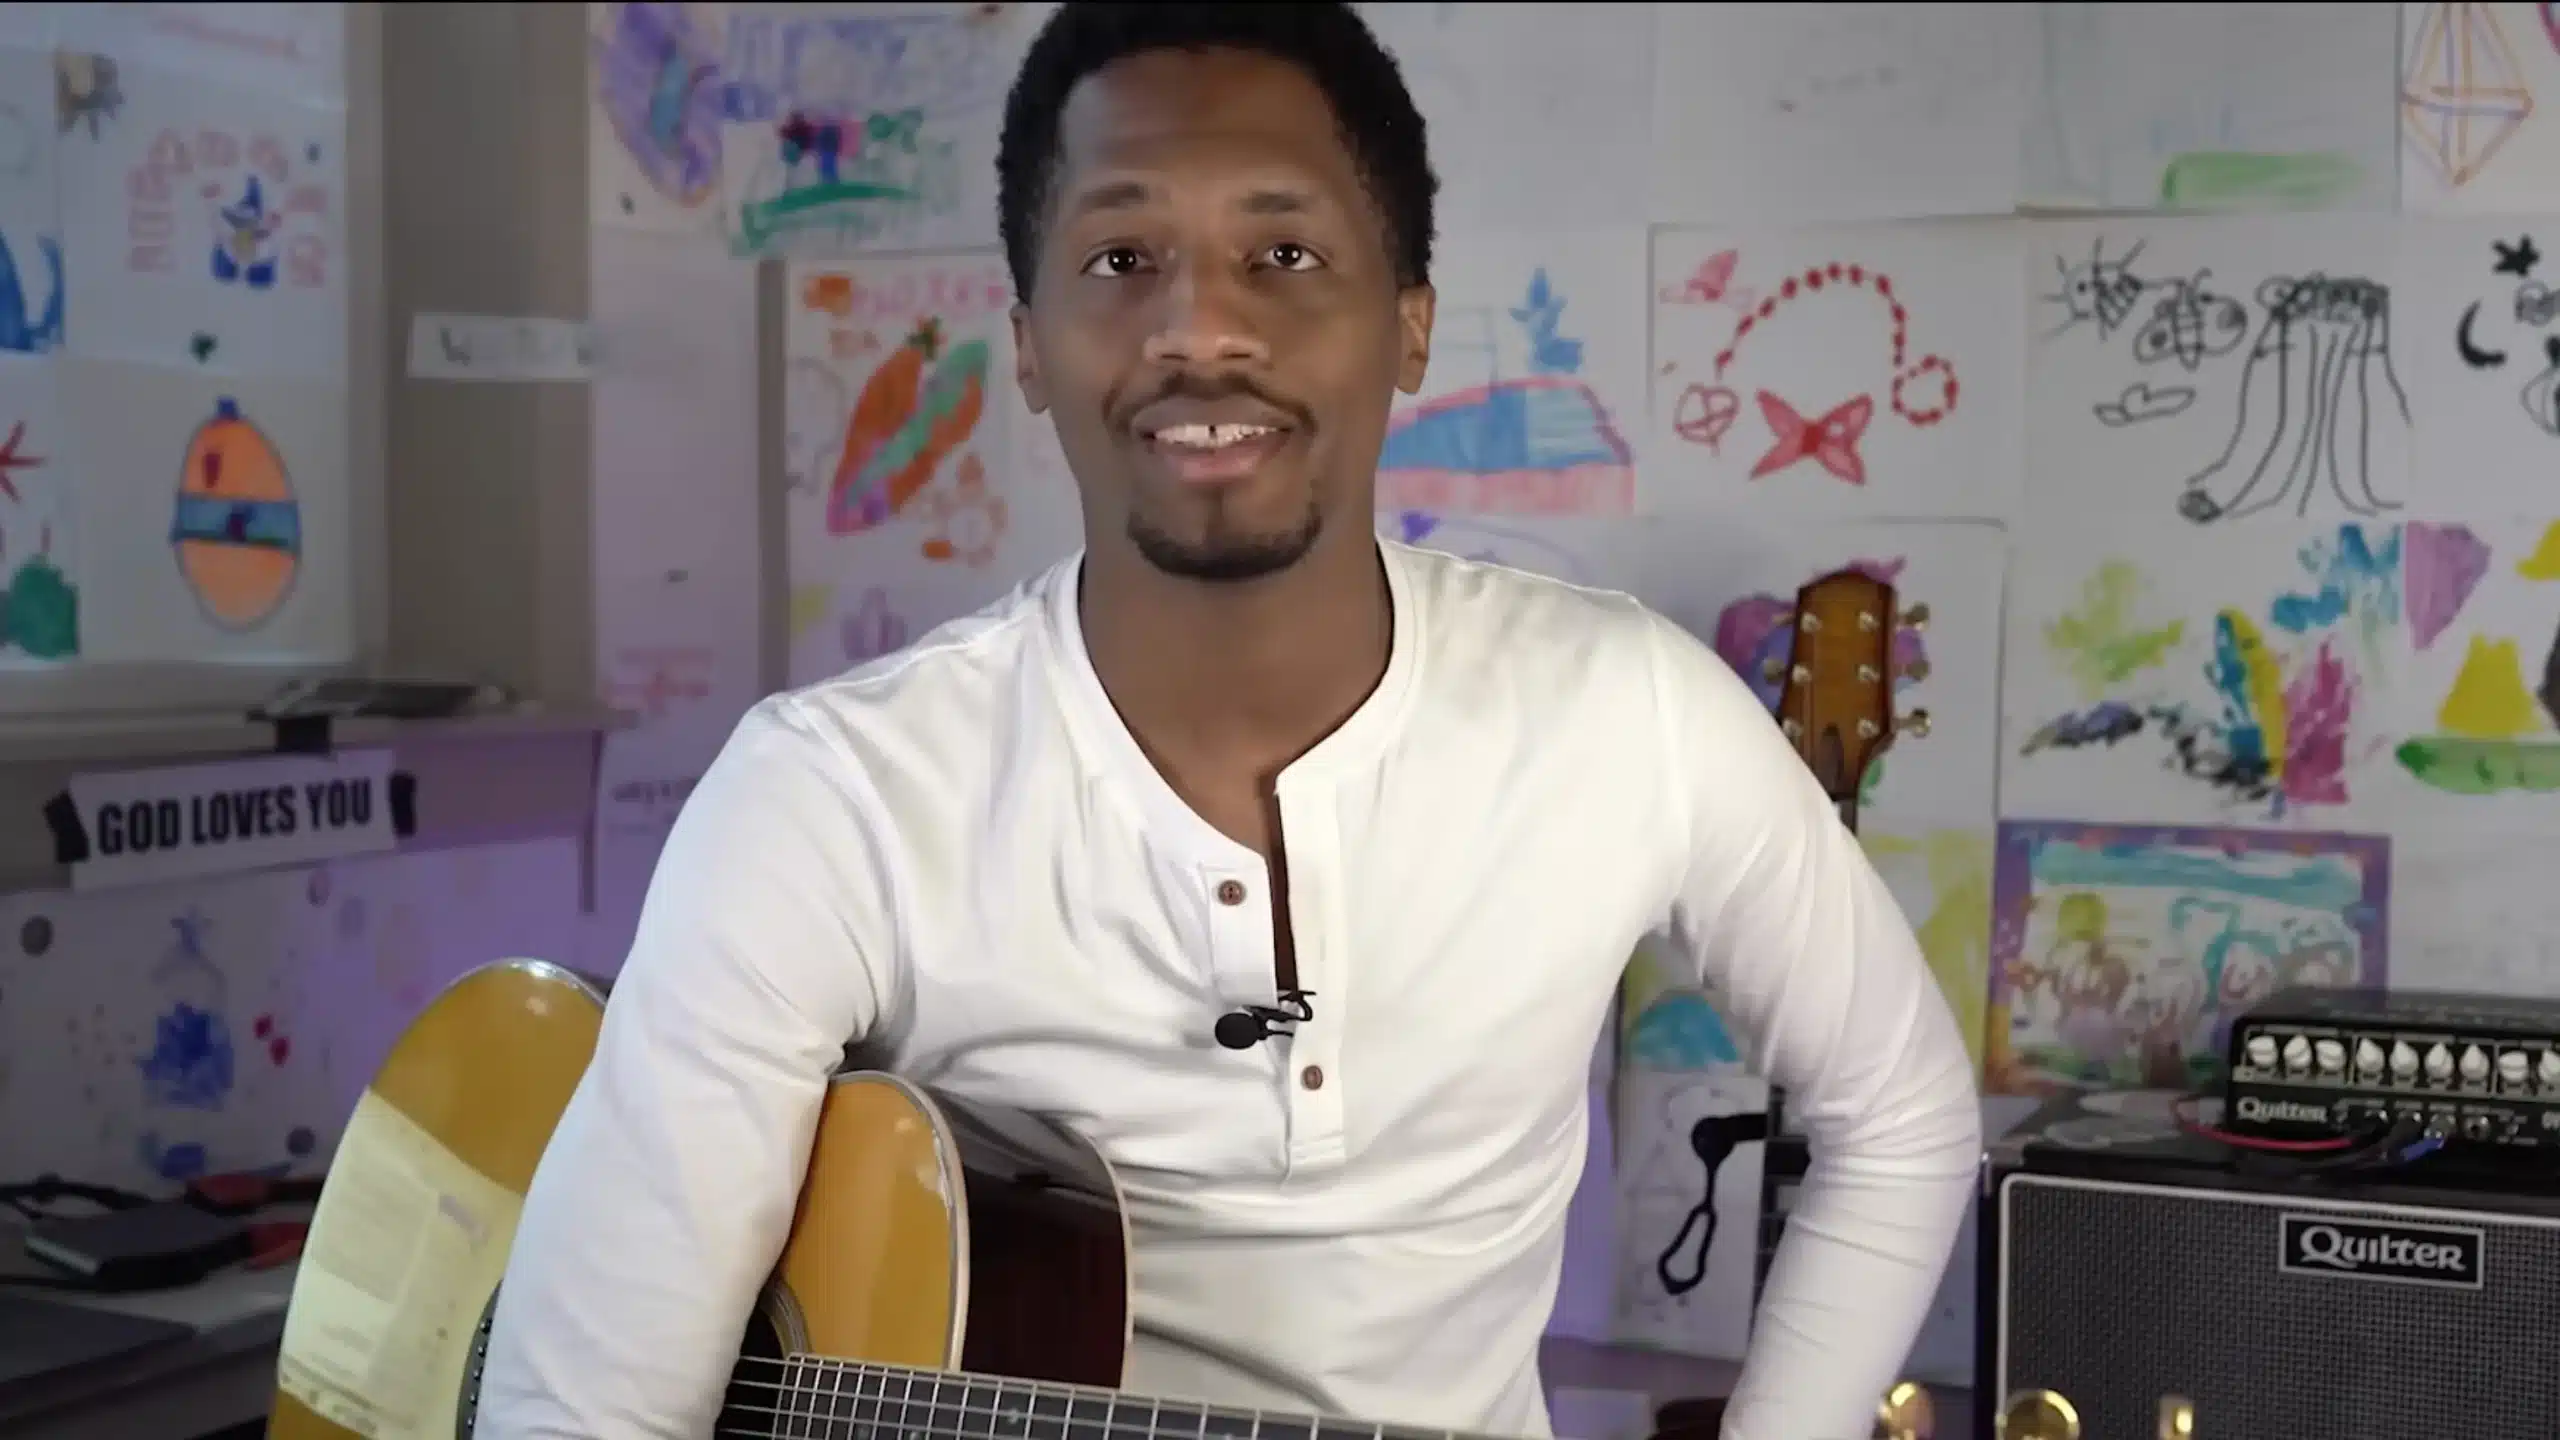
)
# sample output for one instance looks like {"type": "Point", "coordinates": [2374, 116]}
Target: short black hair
{"type": "Point", "coordinates": [1330, 43]}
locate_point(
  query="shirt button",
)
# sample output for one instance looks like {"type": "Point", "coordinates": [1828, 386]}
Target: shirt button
{"type": "Point", "coordinates": [1312, 1077]}
{"type": "Point", "coordinates": [1230, 892]}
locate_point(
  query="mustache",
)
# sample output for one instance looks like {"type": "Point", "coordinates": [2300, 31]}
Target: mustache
{"type": "Point", "coordinates": [1192, 385]}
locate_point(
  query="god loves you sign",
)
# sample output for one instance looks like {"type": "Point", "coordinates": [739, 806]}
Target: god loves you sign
{"type": "Point", "coordinates": [140, 827]}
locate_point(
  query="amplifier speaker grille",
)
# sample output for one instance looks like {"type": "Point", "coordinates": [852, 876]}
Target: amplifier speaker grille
{"type": "Point", "coordinates": [2114, 1295]}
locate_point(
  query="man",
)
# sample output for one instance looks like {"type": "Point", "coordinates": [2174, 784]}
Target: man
{"type": "Point", "coordinates": [1242, 746]}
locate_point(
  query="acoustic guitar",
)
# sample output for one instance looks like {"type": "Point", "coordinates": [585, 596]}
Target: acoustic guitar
{"type": "Point", "coordinates": [952, 1270]}
{"type": "Point", "coordinates": [1835, 703]}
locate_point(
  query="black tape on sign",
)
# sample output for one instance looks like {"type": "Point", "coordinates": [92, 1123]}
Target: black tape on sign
{"type": "Point", "coordinates": [404, 804]}
{"type": "Point", "coordinates": [70, 839]}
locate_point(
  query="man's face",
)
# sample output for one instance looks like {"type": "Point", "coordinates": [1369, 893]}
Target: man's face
{"type": "Point", "coordinates": [1215, 326]}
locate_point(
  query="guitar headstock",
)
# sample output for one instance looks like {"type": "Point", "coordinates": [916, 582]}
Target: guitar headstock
{"type": "Point", "coordinates": [1836, 704]}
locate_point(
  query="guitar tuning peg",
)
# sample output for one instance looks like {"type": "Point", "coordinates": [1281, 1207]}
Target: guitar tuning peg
{"type": "Point", "coordinates": [1867, 622]}
{"type": "Point", "coordinates": [1906, 1414]}
{"type": "Point", "coordinates": [1773, 669]}
{"type": "Point", "coordinates": [1917, 617]}
{"type": "Point", "coordinates": [1809, 623]}
{"type": "Point", "coordinates": [1915, 725]}
{"type": "Point", "coordinates": [2177, 1418]}
{"type": "Point", "coordinates": [1916, 670]}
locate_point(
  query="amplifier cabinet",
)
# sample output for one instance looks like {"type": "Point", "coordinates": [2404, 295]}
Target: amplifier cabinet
{"type": "Point", "coordinates": [2279, 1310]}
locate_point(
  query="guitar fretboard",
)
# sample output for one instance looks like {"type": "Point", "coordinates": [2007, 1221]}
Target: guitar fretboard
{"type": "Point", "coordinates": [807, 1398]}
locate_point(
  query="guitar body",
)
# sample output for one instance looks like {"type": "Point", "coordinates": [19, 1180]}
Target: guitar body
{"type": "Point", "coordinates": [929, 1236]}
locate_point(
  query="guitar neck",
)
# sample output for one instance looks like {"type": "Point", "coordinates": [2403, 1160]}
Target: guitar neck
{"type": "Point", "coordinates": [826, 1399]}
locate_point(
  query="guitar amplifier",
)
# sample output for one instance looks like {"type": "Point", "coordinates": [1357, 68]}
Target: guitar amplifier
{"type": "Point", "coordinates": [2124, 1262]}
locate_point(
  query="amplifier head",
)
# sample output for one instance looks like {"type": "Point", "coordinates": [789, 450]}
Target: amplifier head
{"type": "Point", "coordinates": [2117, 1282]}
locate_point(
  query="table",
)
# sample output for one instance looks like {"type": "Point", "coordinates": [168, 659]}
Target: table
{"type": "Point", "coordinates": [224, 1376]}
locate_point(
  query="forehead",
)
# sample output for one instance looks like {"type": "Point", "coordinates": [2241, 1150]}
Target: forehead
{"type": "Point", "coordinates": [1187, 117]}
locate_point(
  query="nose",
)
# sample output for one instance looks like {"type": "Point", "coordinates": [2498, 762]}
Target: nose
{"type": "Point", "coordinates": [1204, 324]}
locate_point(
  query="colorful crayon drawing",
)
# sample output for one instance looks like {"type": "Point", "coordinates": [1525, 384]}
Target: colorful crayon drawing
{"type": "Point", "coordinates": [238, 528]}
{"type": "Point", "coordinates": [39, 606]}
{"type": "Point", "coordinates": [1942, 879]}
{"type": "Point", "coordinates": [859, 129]}
{"type": "Point", "coordinates": [2494, 733]}
{"type": "Point", "coordinates": [190, 1068]}
{"type": "Point", "coordinates": [905, 423]}
{"type": "Point", "coordinates": [86, 92]}
{"type": "Point", "coordinates": [27, 325]}
{"type": "Point", "coordinates": [1540, 443]}
{"type": "Point", "coordinates": [268, 203]}
{"type": "Point", "coordinates": [2120, 954]}
{"type": "Point", "coordinates": [2271, 709]}
{"type": "Point", "coordinates": [2465, 92]}
{"type": "Point", "coordinates": [657, 71]}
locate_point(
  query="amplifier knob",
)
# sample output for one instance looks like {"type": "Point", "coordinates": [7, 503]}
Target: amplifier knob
{"type": "Point", "coordinates": [2297, 1054]}
{"type": "Point", "coordinates": [2439, 1063]}
{"type": "Point", "coordinates": [2404, 1061]}
{"type": "Point", "coordinates": [2512, 1068]}
{"type": "Point", "coordinates": [2038, 1415]}
{"type": "Point", "coordinates": [2368, 1058]}
{"type": "Point", "coordinates": [2547, 1073]}
{"type": "Point", "coordinates": [2332, 1055]}
{"type": "Point", "coordinates": [2262, 1051]}
{"type": "Point", "coordinates": [2475, 1064]}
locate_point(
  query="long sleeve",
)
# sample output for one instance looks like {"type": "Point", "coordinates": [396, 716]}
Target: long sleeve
{"type": "Point", "coordinates": [1813, 961]}
{"type": "Point", "coordinates": [666, 1193]}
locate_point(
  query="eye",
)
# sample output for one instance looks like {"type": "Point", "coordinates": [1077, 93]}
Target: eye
{"type": "Point", "coordinates": [1116, 260]}
{"type": "Point", "coordinates": [1289, 255]}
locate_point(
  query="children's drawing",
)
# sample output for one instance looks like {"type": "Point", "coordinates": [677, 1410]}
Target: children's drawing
{"type": "Point", "coordinates": [39, 605]}
{"type": "Point", "coordinates": [2281, 378]}
{"type": "Point", "coordinates": [31, 274]}
{"type": "Point", "coordinates": [865, 131]}
{"type": "Point", "coordinates": [2120, 954]}
{"type": "Point", "coordinates": [2488, 668]}
{"type": "Point", "coordinates": [2221, 107]}
{"type": "Point", "coordinates": [659, 681]}
{"type": "Point", "coordinates": [1515, 545]}
{"type": "Point", "coordinates": [1535, 443]}
{"type": "Point", "coordinates": [191, 1065]}
{"type": "Point", "coordinates": [894, 437]}
{"type": "Point", "coordinates": [1941, 877]}
{"type": "Point", "coordinates": [1788, 365]}
{"type": "Point", "coordinates": [2526, 313]}
{"type": "Point", "coordinates": [214, 219]}
{"type": "Point", "coordinates": [293, 50]}
{"type": "Point", "coordinates": [2268, 706]}
{"type": "Point", "coordinates": [872, 629]}
{"type": "Point", "coordinates": [238, 527]}
{"type": "Point", "coordinates": [1689, 1207]}
{"type": "Point", "coordinates": [2465, 92]}
{"type": "Point", "coordinates": [657, 78]}
{"type": "Point", "coordinates": [2485, 300]}
{"type": "Point", "coordinates": [86, 92]}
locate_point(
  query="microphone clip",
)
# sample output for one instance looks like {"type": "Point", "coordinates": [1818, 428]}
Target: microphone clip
{"type": "Point", "coordinates": [1249, 1025]}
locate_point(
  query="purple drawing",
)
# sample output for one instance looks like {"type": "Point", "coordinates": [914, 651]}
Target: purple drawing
{"type": "Point", "coordinates": [2444, 564]}
{"type": "Point", "coordinates": [657, 81]}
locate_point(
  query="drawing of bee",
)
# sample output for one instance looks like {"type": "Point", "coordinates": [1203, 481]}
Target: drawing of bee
{"type": "Point", "coordinates": [2191, 324]}
{"type": "Point", "coordinates": [2101, 290]}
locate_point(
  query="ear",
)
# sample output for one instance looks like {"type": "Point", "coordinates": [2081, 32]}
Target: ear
{"type": "Point", "coordinates": [1026, 362]}
{"type": "Point", "coordinates": [1414, 309]}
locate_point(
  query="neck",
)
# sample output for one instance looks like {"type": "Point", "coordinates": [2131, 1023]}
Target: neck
{"type": "Point", "coordinates": [1267, 666]}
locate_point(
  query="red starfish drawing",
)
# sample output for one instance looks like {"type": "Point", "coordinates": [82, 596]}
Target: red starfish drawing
{"type": "Point", "coordinates": [1831, 442]}
{"type": "Point", "coordinates": [11, 460]}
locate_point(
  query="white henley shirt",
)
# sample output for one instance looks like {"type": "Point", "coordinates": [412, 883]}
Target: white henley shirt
{"type": "Point", "coordinates": [960, 853]}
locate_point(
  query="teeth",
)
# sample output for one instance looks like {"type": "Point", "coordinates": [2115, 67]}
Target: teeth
{"type": "Point", "coordinates": [1209, 437]}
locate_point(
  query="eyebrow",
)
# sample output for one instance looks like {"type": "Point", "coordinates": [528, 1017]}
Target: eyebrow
{"type": "Point", "coordinates": [1133, 194]}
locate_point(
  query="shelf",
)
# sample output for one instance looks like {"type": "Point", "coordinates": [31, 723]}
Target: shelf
{"type": "Point", "coordinates": [140, 741]}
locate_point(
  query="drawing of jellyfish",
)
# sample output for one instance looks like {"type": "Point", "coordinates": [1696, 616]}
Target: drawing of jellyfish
{"type": "Point", "coordinates": [190, 1066]}
{"type": "Point", "coordinates": [2317, 384]}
